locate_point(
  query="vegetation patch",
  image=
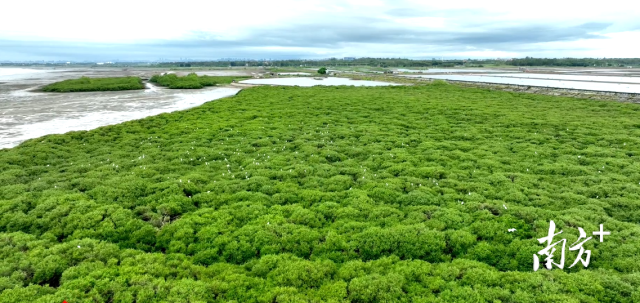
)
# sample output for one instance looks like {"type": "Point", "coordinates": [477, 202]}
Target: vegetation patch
{"type": "Point", "coordinates": [328, 194]}
{"type": "Point", "coordinates": [86, 84]}
{"type": "Point", "coordinates": [192, 80]}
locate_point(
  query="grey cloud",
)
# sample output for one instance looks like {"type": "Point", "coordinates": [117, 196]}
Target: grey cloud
{"type": "Point", "coordinates": [529, 34]}
{"type": "Point", "coordinates": [52, 50]}
{"type": "Point", "coordinates": [406, 12]}
{"type": "Point", "coordinates": [380, 31]}
{"type": "Point", "coordinates": [337, 34]}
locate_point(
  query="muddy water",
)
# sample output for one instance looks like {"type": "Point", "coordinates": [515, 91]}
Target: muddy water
{"type": "Point", "coordinates": [18, 73]}
{"type": "Point", "coordinates": [26, 114]}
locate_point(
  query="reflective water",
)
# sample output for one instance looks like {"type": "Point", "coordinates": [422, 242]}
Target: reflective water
{"type": "Point", "coordinates": [623, 70]}
{"type": "Point", "coordinates": [451, 70]}
{"type": "Point", "coordinates": [614, 79]}
{"type": "Point", "coordinates": [18, 73]}
{"type": "Point", "coordinates": [330, 81]}
{"type": "Point", "coordinates": [590, 86]}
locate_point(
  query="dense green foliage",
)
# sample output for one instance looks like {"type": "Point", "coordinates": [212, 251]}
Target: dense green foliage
{"type": "Point", "coordinates": [192, 81]}
{"type": "Point", "coordinates": [322, 71]}
{"type": "Point", "coordinates": [328, 194]}
{"type": "Point", "coordinates": [86, 84]}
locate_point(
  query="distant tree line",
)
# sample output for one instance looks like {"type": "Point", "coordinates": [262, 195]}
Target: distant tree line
{"type": "Point", "coordinates": [399, 62]}
{"type": "Point", "coordinates": [333, 62]}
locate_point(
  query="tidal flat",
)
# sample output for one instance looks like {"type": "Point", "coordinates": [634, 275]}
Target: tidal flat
{"type": "Point", "coordinates": [26, 112]}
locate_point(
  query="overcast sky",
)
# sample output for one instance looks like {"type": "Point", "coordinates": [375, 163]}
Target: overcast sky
{"type": "Point", "coordinates": [281, 29]}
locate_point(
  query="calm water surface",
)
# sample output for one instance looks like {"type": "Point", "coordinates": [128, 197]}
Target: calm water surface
{"type": "Point", "coordinates": [590, 86]}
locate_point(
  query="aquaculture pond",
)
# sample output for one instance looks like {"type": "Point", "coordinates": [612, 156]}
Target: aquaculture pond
{"type": "Point", "coordinates": [553, 83]}
{"type": "Point", "coordinates": [586, 78]}
{"type": "Point", "coordinates": [452, 70]}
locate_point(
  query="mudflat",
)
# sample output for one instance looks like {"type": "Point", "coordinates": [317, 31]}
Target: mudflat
{"type": "Point", "coordinates": [26, 112]}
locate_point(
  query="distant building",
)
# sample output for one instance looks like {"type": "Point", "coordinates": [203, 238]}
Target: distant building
{"type": "Point", "coordinates": [349, 58]}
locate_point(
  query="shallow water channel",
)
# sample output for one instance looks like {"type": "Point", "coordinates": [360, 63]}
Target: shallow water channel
{"type": "Point", "coordinates": [25, 114]}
